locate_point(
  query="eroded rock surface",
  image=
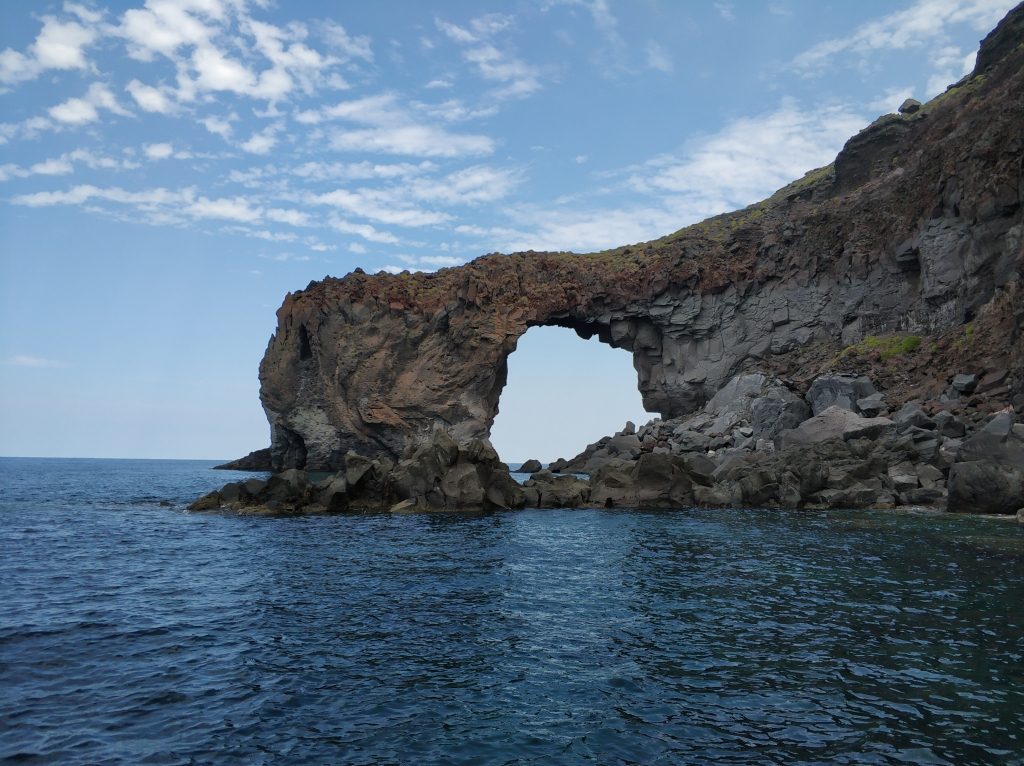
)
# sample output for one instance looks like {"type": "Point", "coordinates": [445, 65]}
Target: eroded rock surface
{"type": "Point", "coordinates": [915, 230]}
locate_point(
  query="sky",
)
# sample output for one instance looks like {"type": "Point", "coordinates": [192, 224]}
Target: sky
{"type": "Point", "coordinates": [170, 169]}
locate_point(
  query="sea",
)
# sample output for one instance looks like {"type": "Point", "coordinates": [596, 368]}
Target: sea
{"type": "Point", "coordinates": [134, 632]}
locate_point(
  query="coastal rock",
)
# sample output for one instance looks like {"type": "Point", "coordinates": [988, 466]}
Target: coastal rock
{"type": "Point", "coordinates": [988, 476]}
{"type": "Point", "coordinates": [655, 481]}
{"type": "Point", "coordinates": [842, 391]}
{"type": "Point", "coordinates": [835, 422]}
{"type": "Point", "coordinates": [795, 285]}
{"type": "Point", "coordinates": [257, 460]}
{"type": "Point", "coordinates": [530, 466]}
{"type": "Point", "coordinates": [546, 490]}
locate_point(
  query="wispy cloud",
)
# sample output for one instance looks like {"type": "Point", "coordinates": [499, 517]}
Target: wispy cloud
{"type": "Point", "coordinates": [922, 24]}
{"type": "Point", "coordinates": [24, 360]}
{"type": "Point", "coordinates": [513, 76]}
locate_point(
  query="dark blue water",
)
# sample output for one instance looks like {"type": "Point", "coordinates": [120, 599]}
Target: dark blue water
{"type": "Point", "coordinates": [135, 633]}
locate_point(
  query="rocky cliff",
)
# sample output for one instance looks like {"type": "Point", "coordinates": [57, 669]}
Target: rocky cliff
{"type": "Point", "coordinates": [905, 256]}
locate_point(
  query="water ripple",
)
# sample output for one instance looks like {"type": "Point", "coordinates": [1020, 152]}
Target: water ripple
{"type": "Point", "coordinates": [133, 633]}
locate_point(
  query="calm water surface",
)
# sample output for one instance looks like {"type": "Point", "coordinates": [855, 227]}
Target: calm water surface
{"type": "Point", "coordinates": [136, 633]}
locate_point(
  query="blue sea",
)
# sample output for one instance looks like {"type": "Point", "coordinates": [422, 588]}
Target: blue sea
{"type": "Point", "coordinates": [133, 632]}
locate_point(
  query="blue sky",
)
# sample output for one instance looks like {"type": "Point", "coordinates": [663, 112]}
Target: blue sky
{"type": "Point", "coordinates": [169, 169]}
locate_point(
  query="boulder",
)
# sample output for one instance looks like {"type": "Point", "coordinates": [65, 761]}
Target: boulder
{"type": "Point", "coordinates": [948, 424]}
{"type": "Point", "coordinates": [546, 490]}
{"type": "Point", "coordinates": [988, 476]}
{"type": "Point", "coordinates": [842, 391]}
{"type": "Point", "coordinates": [530, 466]}
{"type": "Point", "coordinates": [981, 487]}
{"type": "Point", "coordinates": [965, 383]}
{"type": "Point", "coordinates": [872, 406]}
{"type": "Point", "coordinates": [657, 481]}
{"type": "Point", "coordinates": [835, 422]}
{"type": "Point", "coordinates": [762, 402]}
{"type": "Point", "coordinates": [684, 440]}
{"type": "Point", "coordinates": [911, 415]}
{"type": "Point", "coordinates": [910, 106]}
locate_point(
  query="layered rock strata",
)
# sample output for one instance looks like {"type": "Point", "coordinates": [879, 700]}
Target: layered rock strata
{"type": "Point", "coordinates": [914, 233]}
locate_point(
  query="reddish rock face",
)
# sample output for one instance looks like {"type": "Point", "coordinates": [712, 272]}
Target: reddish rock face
{"type": "Point", "coordinates": [915, 229]}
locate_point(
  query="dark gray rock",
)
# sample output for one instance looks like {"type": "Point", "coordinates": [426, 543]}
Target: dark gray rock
{"type": "Point", "coordinates": [838, 391]}
{"type": "Point", "coordinates": [910, 106]}
{"type": "Point", "coordinates": [546, 490]}
{"type": "Point", "coordinates": [530, 466]}
{"type": "Point", "coordinates": [910, 415]}
{"type": "Point", "coordinates": [257, 460]}
{"type": "Point", "coordinates": [948, 424]}
{"type": "Point", "coordinates": [982, 487]}
{"type": "Point", "coordinates": [656, 481]}
{"type": "Point", "coordinates": [684, 440]}
{"type": "Point", "coordinates": [872, 406]}
{"type": "Point", "coordinates": [835, 422]}
{"type": "Point", "coordinates": [965, 383]}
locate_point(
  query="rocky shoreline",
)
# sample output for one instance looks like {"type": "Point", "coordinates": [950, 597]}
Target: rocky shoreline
{"type": "Point", "coordinates": [854, 340]}
{"type": "Point", "coordinates": [757, 443]}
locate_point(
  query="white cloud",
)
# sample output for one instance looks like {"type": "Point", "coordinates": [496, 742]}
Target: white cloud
{"type": "Point", "coordinates": [79, 111]}
{"type": "Point", "coordinates": [24, 360]}
{"type": "Point", "coordinates": [923, 23]}
{"type": "Point", "coordinates": [379, 205]}
{"type": "Point", "coordinates": [53, 167]}
{"type": "Point", "coordinates": [151, 99]}
{"type": "Point", "coordinates": [744, 162]}
{"type": "Point", "coordinates": [219, 126]}
{"type": "Point", "coordinates": [59, 45]}
{"type": "Point", "coordinates": [367, 232]}
{"type": "Point", "coordinates": [726, 11]}
{"type": "Point", "coordinates": [658, 58]}
{"type": "Point", "coordinates": [515, 77]}
{"type": "Point", "coordinates": [158, 151]}
{"type": "Point", "coordinates": [263, 141]}
{"type": "Point", "coordinates": [415, 140]}
{"type": "Point", "coordinates": [229, 209]}
{"type": "Point", "coordinates": [438, 83]}
{"type": "Point", "coordinates": [355, 247]}
{"type": "Point", "coordinates": [467, 186]}
{"type": "Point", "coordinates": [355, 171]}
{"type": "Point", "coordinates": [351, 47]}
{"type": "Point", "coordinates": [291, 217]}
{"type": "Point", "coordinates": [751, 157]}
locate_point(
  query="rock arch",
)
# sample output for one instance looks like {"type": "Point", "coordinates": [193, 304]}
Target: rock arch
{"type": "Point", "coordinates": [916, 227]}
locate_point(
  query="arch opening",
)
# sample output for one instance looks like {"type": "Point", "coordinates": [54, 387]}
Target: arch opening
{"type": "Point", "coordinates": [562, 393]}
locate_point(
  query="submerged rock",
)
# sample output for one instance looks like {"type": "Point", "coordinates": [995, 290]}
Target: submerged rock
{"type": "Point", "coordinates": [257, 460]}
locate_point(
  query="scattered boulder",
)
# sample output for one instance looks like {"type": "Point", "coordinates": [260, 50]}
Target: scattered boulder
{"type": "Point", "coordinates": [965, 383]}
{"type": "Point", "coordinates": [835, 422]}
{"type": "Point", "coordinates": [530, 466]}
{"type": "Point", "coordinates": [546, 490]}
{"type": "Point", "coordinates": [988, 475]}
{"type": "Point", "coordinates": [911, 415]}
{"type": "Point", "coordinates": [842, 391]}
{"type": "Point", "coordinates": [872, 406]}
{"type": "Point", "coordinates": [910, 106]}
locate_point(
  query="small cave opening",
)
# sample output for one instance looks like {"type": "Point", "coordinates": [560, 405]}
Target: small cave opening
{"type": "Point", "coordinates": [305, 352]}
{"type": "Point", "coordinates": [561, 394]}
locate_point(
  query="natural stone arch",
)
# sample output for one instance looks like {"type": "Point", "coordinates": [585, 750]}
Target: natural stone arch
{"type": "Point", "coordinates": [916, 227]}
{"type": "Point", "coordinates": [561, 393]}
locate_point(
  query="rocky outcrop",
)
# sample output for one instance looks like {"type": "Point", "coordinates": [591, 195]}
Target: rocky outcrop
{"type": "Point", "coordinates": [915, 233]}
{"type": "Point", "coordinates": [257, 460]}
{"type": "Point", "coordinates": [988, 475]}
{"type": "Point", "coordinates": [438, 474]}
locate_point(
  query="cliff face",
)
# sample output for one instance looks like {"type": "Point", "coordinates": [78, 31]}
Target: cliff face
{"type": "Point", "coordinates": [915, 229]}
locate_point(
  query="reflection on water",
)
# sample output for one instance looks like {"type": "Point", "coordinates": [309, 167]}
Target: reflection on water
{"type": "Point", "coordinates": [132, 632]}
